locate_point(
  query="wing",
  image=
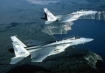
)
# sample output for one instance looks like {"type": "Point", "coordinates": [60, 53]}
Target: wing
{"type": "Point", "coordinates": [40, 54]}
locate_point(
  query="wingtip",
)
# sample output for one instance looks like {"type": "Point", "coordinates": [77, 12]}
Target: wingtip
{"type": "Point", "coordinates": [45, 9]}
{"type": "Point", "coordinates": [14, 36]}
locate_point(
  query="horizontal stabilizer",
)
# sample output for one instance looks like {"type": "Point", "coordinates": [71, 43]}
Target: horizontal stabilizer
{"type": "Point", "coordinates": [14, 60]}
{"type": "Point", "coordinates": [48, 22]}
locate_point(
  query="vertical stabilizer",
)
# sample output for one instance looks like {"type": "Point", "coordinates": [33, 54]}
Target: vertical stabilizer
{"type": "Point", "coordinates": [20, 51]}
{"type": "Point", "coordinates": [49, 16]}
{"type": "Point", "coordinates": [15, 39]}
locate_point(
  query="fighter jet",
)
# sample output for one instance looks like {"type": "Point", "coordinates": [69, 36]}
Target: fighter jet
{"type": "Point", "coordinates": [65, 18]}
{"type": "Point", "coordinates": [40, 52]}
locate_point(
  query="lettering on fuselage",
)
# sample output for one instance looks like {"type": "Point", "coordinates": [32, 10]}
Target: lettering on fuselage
{"type": "Point", "coordinates": [16, 50]}
{"type": "Point", "coordinates": [21, 52]}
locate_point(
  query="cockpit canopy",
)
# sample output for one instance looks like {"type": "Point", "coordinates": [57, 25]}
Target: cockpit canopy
{"type": "Point", "coordinates": [72, 37]}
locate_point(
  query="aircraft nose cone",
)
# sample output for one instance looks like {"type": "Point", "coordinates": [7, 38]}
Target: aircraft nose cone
{"type": "Point", "coordinates": [88, 40]}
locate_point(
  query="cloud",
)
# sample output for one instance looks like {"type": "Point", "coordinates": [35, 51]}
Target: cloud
{"type": "Point", "coordinates": [43, 2]}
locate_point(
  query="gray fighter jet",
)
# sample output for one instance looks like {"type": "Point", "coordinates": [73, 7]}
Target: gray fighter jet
{"type": "Point", "coordinates": [40, 52]}
{"type": "Point", "coordinates": [65, 18]}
